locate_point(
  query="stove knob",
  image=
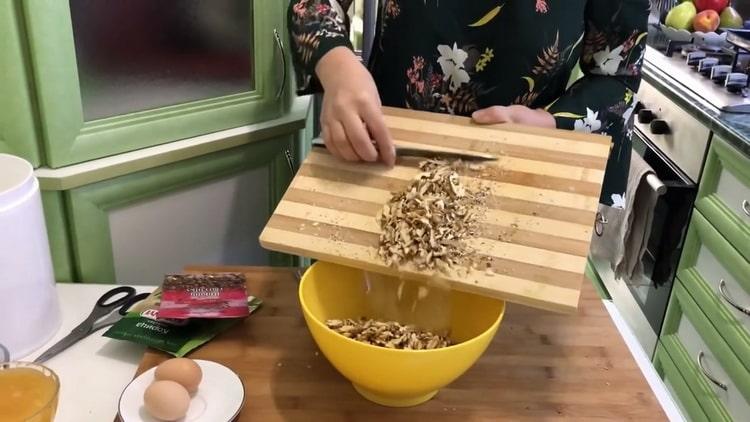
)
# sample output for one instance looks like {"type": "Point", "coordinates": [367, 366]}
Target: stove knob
{"type": "Point", "coordinates": [660, 127]}
{"type": "Point", "coordinates": [646, 116]}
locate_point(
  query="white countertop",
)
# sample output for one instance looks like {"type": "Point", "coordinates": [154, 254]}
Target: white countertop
{"type": "Point", "coordinates": [94, 371]}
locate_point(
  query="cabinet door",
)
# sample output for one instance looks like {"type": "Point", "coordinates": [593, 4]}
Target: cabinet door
{"type": "Point", "coordinates": [210, 209]}
{"type": "Point", "coordinates": [677, 386]}
{"type": "Point", "coordinates": [118, 76]}
{"type": "Point", "coordinates": [18, 133]}
{"type": "Point", "coordinates": [718, 278]}
{"type": "Point", "coordinates": [57, 233]}
{"type": "Point", "coordinates": [718, 380]}
{"type": "Point", "coordinates": [724, 194]}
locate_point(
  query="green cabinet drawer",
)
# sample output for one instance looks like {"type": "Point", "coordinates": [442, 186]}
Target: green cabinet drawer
{"type": "Point", "coordinates": [724, 194]}
{"type": "Point", "coordinates": [718, 279]}
{"type": "Point", "coordinates": [208, 209]}
{"type": "Point", "coordinates": [166, 71]}
{"type": "Point", "coordinates": [718, 380]}
{"type": "Point", "coordinates": [678, 386]}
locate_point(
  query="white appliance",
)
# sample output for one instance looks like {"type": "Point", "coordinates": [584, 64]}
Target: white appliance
{"type": "Point", "coordinates": [29, 308]}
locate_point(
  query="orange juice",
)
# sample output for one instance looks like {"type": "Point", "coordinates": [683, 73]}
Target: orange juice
{"type": "Point", "coordinates": [28, 393]}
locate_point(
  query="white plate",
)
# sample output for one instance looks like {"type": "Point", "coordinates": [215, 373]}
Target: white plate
{"type": "Point", "coordinates": [219, 398]}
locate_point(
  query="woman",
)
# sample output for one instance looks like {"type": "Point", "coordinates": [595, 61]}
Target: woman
{"type": "Point", "coordinates": [494, 60]}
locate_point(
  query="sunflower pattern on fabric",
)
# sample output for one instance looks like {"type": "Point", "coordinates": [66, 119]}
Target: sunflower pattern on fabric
{"type": "Point", "coordinates": [452, 56]}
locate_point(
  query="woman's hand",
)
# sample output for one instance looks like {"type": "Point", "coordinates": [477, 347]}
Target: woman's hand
{"type": "Point", "coordinates": [514, 114]}
{"type": "Point", "coordinates": [352, 122]}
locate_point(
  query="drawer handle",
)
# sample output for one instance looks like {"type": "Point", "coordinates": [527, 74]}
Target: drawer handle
{"type": "Point", "coordinates": [708, 375]}
{"type": "Point", "coordinates": [725, 296]}
{"type": "Point", "coordinates": [746, 207]}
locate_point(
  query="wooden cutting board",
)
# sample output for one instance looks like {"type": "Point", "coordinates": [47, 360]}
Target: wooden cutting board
{"type": "Point", "coordinates": [544, 188]}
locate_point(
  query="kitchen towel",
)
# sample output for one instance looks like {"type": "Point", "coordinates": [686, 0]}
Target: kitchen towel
{"type": "Point", "coordinates": [622, 230]}
{"type": "Point", "coordinates": [640, 203]}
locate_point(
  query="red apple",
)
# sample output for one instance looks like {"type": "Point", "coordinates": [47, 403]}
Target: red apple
{"type": "Point", "coordinates": [715, 5]}
{"type": "Point", "coordinates": [706, 21]}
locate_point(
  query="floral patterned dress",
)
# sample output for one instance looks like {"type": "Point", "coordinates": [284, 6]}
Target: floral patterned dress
{"type": "Point", "coordinates": [457, 56]}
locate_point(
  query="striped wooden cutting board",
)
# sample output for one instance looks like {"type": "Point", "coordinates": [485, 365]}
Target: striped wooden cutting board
{"type": "Point", "coordinates": [544, 194]}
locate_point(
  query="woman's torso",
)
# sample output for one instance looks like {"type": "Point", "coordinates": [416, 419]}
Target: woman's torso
{"type": "Point", "coordinates": [458, 56]}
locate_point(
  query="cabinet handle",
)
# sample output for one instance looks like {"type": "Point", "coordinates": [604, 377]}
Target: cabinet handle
{"type": "Point", "coordinates": [289, 161]}
{"type": "Point", "coordinates": [282, 53]}
{"type": "Point", "coordinates": [725, 296]}
{"type": "Point", "coordinates": [746, 207]}
{"type": "Point", "coordinates": [708, 375]}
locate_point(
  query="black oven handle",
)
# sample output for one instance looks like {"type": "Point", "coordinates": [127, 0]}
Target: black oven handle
{"type": "Point", "coordinates": [668, 164]}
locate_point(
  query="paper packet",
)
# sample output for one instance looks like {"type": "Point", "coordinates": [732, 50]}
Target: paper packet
{"type": "Point", "coordinates": [177, 337]}
{"type": "Point", "coordinates": [212, 295]}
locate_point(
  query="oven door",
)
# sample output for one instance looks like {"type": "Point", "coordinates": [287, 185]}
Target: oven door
{"type": "Point", "coordinates": [643, 301]}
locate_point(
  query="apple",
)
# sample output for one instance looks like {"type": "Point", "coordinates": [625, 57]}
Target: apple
{"type": "Point", "coordinates": [706, 21]}
{"type": "Point", "coordinates": [730, 19]}
{"type": "Point", "coordinates": [681, 16]}
{"type": "Point", "coordinates": [715, 5]}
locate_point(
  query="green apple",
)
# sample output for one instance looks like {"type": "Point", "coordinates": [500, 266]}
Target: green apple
{"type": "Point", "coordinates": [730, 18]}
{"type": "Point", "coordinates": [681, 16]}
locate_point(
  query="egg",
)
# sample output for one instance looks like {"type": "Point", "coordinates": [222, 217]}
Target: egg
{"type": "Point", "coordinates": [180, 370]}
{"type": "Point", "coordinates": [166, 400]}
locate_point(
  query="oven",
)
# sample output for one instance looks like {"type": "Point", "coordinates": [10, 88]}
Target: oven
{"type": "Point", "coordinates": [674, 145]}
{"type": "Point", "coordinates": [643, 299]}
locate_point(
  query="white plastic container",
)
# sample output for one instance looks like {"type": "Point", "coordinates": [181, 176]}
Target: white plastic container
{"type": "Point", "coordinates": [29, 308]}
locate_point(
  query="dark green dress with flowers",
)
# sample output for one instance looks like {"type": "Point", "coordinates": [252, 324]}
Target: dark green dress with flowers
{"type": "Point", "coordinates": [458, 56]}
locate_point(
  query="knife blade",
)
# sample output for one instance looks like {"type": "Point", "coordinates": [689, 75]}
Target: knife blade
{"type": "Point", "coordinates": [428, 153]}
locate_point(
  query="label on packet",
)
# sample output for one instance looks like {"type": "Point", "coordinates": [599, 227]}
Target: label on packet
{"type": "Point", "coordinates": [178, 337]}
{"type": "Point", "coordinates": [219, 295]}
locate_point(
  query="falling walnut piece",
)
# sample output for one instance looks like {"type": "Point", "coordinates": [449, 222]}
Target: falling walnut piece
{"type": "Point", "coordinates": [391, 335]}
{"type": "Point", "coordinates": [427, 224]}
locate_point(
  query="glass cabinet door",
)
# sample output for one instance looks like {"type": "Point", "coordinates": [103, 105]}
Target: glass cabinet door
{"type": "Point", "coordinates": [143, 54]}
{"type": "Point", "coordinates": [118, 76]}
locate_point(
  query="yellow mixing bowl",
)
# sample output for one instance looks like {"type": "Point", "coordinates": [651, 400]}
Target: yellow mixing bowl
{"type": "Point", "coordinates": [397, 378]}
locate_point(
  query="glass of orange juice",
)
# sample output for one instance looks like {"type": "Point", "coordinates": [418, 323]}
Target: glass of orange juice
{"type": "Point", "coordinates": [29, 392]}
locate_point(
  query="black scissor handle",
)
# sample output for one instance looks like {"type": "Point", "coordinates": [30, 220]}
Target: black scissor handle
{"type": "Point", "coordinates": [132, 301]}
{"type": "Point", "coordinates": [106, 300]}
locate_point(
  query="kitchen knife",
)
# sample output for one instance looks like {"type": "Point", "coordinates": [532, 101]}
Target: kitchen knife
{"type": "Point", "coordinates": [429, 153]}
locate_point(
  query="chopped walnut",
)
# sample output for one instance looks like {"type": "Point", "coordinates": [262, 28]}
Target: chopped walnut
{"type": "Point", "coordinates": [391, 335]}
{"type": "Point", "coordinates": [427, 224]}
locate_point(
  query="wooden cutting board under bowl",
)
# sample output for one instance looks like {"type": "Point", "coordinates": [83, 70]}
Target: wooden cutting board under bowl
{"type": "Point", "coordinates": [544, 194]}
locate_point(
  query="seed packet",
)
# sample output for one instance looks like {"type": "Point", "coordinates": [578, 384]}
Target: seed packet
{"type": "Point", "coordinates": [177, 337]}
{"type": "Point", "coordinates": [219, 295]}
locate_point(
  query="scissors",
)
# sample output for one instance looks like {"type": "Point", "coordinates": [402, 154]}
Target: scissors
{"type": "Point", "coordinates": [106, 312]}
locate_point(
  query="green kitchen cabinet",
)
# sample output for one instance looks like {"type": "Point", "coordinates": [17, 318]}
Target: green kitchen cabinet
{"type": "Point", "coordinates": [18, 132]}
{"type": "Point", "coordinates": [718, 279]}
{"type": "Point", "coordinates": [112, 77]}
{"type": "Point", "coordinates": [711, 370]}
{"type": "Point", "coordinates": [724, 194]}
{"type": "Point", "coordinates": [135, 227]}
{"type": "Point", "coordinates": [678, 386]}
{"type": "Point", "coordinates": [56, 221]}
{"type": "Point", "coordinates": [593, 276]}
